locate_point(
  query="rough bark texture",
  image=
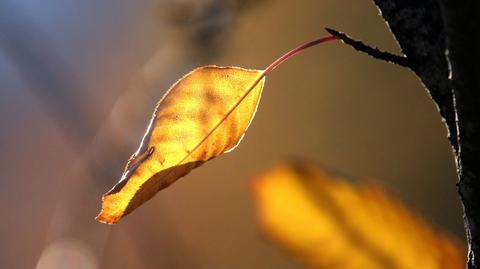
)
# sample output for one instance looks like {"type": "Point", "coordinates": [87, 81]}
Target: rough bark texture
{"type": "Point", "coordinates": [462, 29]}
{"type": "Point", "coordinates": [419, 30]}
{"type": "Point", "coordinates": [441, 40]}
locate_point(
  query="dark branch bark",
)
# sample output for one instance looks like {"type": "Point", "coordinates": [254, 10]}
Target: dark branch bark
{"type": "Point", "coordinates": [418, 28]}
{"type": "Point", "coordinates": [462, 26]}
{"type": "Point", "coordinates": [374, 52]}
{"type": "Point", "coordinates": [441, 39]}
{"type": "Point", "coordinates": [441, 43]}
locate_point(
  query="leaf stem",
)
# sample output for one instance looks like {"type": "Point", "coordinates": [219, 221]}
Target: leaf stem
{"type": "Point", "coordinates": [296, 50]}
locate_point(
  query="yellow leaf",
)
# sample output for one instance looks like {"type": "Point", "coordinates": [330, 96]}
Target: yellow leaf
{"type": "Point", "coordinates": [203, 115]}
{"type": "Point", "coordinates": [329, 222]}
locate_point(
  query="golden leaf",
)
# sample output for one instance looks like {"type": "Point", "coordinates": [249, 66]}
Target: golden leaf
{"type": "Point", "coordinates": [328, 222]}
{"type": "Point", "coordinates": [203, 115]}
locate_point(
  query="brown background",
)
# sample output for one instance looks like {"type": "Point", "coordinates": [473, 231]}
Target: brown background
{"type": "Point", "coordinates": [340, 108]}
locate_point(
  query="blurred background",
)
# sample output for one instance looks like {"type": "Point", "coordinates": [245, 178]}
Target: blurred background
{"type": "Point", "coordinates": [79, 81]}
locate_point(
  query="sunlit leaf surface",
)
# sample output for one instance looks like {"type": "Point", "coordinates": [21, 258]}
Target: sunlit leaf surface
{"type": "Point", "coordinates": [203, 115]}
{"type": "Point", "coordinates": [328, 222]}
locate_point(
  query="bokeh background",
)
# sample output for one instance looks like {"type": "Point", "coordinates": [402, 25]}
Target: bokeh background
{"type": "Point", "coordinates": [79, 81]}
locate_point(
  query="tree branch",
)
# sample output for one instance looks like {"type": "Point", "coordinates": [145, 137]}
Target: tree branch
{"type": "Point", "coordinates": [442, 36]}
{"type": "Point", "coordinates": [374, 52]}
{"type": "Point", "coordinates": [418, 29]}
{"type": "Point", "coordinates": [462, 25]}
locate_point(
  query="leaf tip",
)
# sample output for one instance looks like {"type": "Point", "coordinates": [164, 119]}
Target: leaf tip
{"type": "Point", "coordinates": [109, 214]}
{"type": "Point", "coordinates": [105, 218]}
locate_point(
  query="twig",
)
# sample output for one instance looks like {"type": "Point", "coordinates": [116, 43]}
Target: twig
{"type": "Point", "coordinates": [374, 52]}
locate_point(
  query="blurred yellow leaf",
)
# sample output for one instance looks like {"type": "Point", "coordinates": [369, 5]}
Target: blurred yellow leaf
{"type": "Point", "coordinates": [329, 222]}
{"type": "Point", "coordinates": [203, 115]}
